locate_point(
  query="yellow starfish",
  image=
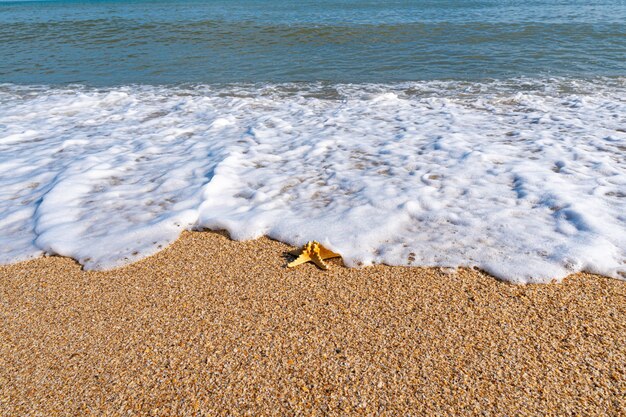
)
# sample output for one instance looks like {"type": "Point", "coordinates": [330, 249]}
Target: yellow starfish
{"type": "Point", "coordinates": [315, 252]}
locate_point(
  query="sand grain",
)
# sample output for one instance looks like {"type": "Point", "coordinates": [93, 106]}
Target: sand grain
{"type": "Point", "coordinates": [215, 327]}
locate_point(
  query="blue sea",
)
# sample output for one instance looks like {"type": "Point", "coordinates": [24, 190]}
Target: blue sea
{"type": "Point", "coordinates": [488, 134]}
{"type": "Point", "coordinates": [109, 43]}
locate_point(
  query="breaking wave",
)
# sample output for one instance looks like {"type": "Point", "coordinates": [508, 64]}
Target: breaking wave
{"type": "Point", "coordinates": [524, 178]}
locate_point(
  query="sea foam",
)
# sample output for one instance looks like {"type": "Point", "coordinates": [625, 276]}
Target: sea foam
{"type": "Point", "coordinates": [525, 179]}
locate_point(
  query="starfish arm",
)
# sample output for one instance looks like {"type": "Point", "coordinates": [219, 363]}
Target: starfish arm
{"type": "Point", "coordinates": [303, 258]}
{"type": "Point", "coordinates": [327, 254]}
{"type": "Point", "coordinates": [317, 259]}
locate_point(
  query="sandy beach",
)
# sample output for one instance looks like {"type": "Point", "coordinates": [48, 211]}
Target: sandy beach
{"type": "Point", "coordinates": [420, 134]}
{"type": "Point", "coordinates": [210, 326]}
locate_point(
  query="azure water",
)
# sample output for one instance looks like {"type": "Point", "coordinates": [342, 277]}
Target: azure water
{"type": "Point", "coordinates": [350, 41]}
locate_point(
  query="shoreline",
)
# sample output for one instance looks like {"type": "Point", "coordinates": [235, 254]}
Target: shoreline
{"type": "Point", "coordinates": [215, 326]}
{"type": "Point", "coordinates": [287, 257]}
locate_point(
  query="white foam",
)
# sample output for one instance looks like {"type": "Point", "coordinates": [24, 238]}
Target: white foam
{"type": "Point", "coordinates": [525, 179]}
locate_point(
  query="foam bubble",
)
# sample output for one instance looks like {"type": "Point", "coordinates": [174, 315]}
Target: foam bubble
{"type": "Point", "coordinates": [525, 179]}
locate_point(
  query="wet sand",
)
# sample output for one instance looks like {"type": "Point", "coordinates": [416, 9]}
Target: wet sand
{"type": "Point", "coordinates": [210, 326]}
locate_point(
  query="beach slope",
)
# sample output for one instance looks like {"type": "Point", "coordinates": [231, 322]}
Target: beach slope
{"type": "Point", "coordinates": [210, 326]}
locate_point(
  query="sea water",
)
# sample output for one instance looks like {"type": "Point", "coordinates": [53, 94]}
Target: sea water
{"type": "Point", "coordinates": [489, 134]}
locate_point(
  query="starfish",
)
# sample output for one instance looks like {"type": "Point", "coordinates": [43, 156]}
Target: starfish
{"type": "Point", "coordinates": [315, 252]}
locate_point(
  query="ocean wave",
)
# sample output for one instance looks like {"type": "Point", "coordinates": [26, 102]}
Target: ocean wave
{"type": "Point", "coordinates": [524, 178]}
